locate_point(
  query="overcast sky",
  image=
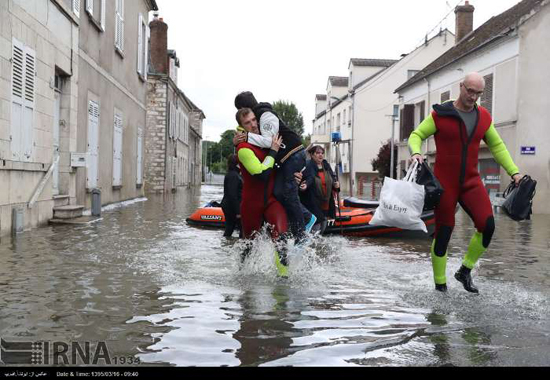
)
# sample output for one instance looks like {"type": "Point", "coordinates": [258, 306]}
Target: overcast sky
{"type": "Point", "coordinates": [286, 49]}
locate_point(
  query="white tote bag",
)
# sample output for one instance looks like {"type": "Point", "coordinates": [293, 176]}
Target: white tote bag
{"type": "Point", "coordinates": [401, 203]}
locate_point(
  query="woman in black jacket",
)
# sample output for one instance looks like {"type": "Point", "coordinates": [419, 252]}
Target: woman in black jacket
{"type": "Point", "coordinates": [232, 193]}
{"type": "Point", "coordinates": [318, 187]}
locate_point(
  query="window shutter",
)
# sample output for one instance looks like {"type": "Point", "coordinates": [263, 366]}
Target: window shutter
{"type": "Point", "coordinates": [140, 45]}
{"type": "Point", "coordinates": [93, 145]}
{"type": "Point", "coordinates": [28, 109]}
{"type": "Point", "coordinates": [486, 99]}
{"type": "Point", "coordinates": [103, 13]}
{"type": "Point", "coordinates": [90, 7]}
{"type": "Point", "coordinates": [119, 25]}
{"type": "Point", "coordinates": [139, 174]}
{"type": "Point", "coordinates": [17, 94]}
{"type": "Point", "coordinates": [146, 47]}
{"type": "Point", "coordinates": [76, 8]}
{"type": "Point", "coordinates": [117, 151]}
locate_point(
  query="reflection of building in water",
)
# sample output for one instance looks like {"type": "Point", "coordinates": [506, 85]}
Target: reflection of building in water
{"type": "Point", "coordinates": [264, 334]}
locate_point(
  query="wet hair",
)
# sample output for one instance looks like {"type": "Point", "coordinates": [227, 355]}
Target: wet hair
{"type": "Point", "coordinates": [232, 163]}
{"type": "Point", "coordinates": [245, 99]}
{"type": "Point", "coordinates": [242, 113]}
{"type": "Point", "coordinates": [314, 148]}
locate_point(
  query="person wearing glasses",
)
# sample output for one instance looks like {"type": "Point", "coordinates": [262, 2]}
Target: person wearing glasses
{"type": "Point", "coordinates": [458, 127]}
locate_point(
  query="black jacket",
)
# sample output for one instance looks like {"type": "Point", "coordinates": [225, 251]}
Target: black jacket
{"type": "Point", "coordinates": [311, 198]}
{"type": "Point", "coordinates": [232, 193]}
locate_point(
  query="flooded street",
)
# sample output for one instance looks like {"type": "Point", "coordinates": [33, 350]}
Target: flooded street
{"type": "Point", "coordinates": [155, 289]}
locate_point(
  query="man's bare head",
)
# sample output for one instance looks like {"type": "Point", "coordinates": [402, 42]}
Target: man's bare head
{"type": "Point", "coordinates": [471, 88]}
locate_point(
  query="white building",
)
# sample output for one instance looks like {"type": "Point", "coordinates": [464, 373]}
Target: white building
{"type": "Point", "coordinates": [363, 113]}
{"type": "Point", "coordinates": [511, 52]}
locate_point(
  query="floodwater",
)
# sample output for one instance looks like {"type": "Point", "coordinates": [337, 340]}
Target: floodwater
{"type": "Point", "coordinates": [159, 291]}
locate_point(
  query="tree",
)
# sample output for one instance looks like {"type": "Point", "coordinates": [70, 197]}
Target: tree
{"type": "Point", "coordinates": [288, 112]}
{"type": "Point", "coordinates": [382, 162]}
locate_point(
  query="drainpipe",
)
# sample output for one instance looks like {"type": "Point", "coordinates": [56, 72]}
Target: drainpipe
{"type": "Point", "coordinates": [428, 108]}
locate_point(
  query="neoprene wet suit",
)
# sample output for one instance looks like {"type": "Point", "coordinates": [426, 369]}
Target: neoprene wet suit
{"type": "Point", "coordinates": [456, 165]}
{"type": "Point", "coordinates": [258, 203]}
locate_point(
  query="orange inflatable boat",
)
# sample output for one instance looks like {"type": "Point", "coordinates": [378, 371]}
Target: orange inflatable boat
{"type": "Point", "coordinates": [353, 219]}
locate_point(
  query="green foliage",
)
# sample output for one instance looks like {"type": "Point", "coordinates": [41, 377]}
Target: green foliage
{"type": "Point", "coordinates": [288, 112]}
{"type": "Point", "coordinates": [215, 154]}
{"type": "Point", "coordinates": [382, 162]}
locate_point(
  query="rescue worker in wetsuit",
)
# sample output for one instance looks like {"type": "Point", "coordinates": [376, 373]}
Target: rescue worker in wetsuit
{"type": "Point", "coordinates": [291, 159]}
{"type": "Point", "coordinates": [258, 203]}
{"type": "Point", "coordinates": [458, 128]}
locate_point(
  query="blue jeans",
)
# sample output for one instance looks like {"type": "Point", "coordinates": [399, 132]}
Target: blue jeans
{"type": "Point", "coordinates": [287, 192]}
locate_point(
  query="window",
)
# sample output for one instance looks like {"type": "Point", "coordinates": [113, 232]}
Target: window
{"type": "Point", "coordinates": [143, 47]}
{"type": "Point", "coordinates": [117, 150]}
{"type": "Point", "coordinates": [76, 7]}
{"type": "Point", "coordinates": [338, 122]}
{"type": "Point", "coordinates": [411, 73]}
{"type": "Point", "coordinates": [119, 25]}
{"type": "Point", "coordinates": [96, 10]}
{"type": "Point", "coordinates": [22, 101]}
{"type": "Point", "coordinates": [344, 117]}
{"type": "Point", "coordinates": [486, 99]}
{"type": "Point", "coordinates": [406, 121]}
{"type": "Point", "coordinates": [92, 171]}
{"type": "Point", "coordinates": [349, 113]}
{"type": "Point", "coordinates": [421, 111]}
{"type": "Point", "coordinates": [445, 96]}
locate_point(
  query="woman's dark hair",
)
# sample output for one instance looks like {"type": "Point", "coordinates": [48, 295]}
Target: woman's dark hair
{"type": "Point", "coordinates": [314, 148]}
{"type": "Point", "coordinates": [232, 163]}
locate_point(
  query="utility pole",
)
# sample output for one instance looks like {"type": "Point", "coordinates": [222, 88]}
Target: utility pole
{"type": "Point", "coordinates": [392, 143]}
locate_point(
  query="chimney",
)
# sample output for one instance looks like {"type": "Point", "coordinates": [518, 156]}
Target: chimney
{"type": "Point", "coordinates": [464, 24]}
{"type": "Point", "coordinates": [159, 45]}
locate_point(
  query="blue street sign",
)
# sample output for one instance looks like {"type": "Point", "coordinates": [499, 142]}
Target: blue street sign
{"type": "Point", "coordinates": [527, 150]}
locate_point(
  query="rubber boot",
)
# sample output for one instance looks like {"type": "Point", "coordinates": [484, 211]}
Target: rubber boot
{"type": "Point", "coordinates": [439, 265]}
{"type": "Point", "coordinates": [463, 275]}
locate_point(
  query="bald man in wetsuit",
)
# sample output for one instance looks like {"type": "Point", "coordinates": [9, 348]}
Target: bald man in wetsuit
{"type": "Point", "coordinates": [458, 128]}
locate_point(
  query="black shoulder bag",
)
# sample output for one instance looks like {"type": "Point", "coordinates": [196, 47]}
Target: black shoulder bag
{"type": "Point", "coordinates": [432, 187]}
{"type": "Point", "coordinates": [518, 203]}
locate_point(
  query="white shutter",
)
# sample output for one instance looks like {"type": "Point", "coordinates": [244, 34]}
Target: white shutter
{"type": "Point", "coordinates": [103, 13]}
{"type": "Point", "coordinates": [17, 93]}
{"type": "Point", "coordinates": [140, 45]}
{"type": "Point", "coordinates": [76, 7]}
{"type": "Point", "coordinates": [93, 145]}
{"type": "Point", "coordinates": [139, 174]}
{"type": "Point", "coordinates": [117, 151]}
{"type": "Point", "coordinates": [119, 25]}
{"type": "Point", "coordinates": [90, 7]}
{"type": "Point", "coordinates": [28, 109]}
{"type": "Point", "coordinates": [146, 47]}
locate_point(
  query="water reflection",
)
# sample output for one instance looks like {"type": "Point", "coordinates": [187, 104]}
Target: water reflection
{"type": "Point", "coordinates": [154, 288]}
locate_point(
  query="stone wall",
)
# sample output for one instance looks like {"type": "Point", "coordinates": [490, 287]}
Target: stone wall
{"type": "Point", "coordinates": [155, 136]}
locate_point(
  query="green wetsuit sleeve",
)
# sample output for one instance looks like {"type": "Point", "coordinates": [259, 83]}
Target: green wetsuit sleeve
{"type": "Point", "coordinates": [253, 165]}
{"type": "Point", "coordinates": [421, 133]}
{"type": "Point", "coordinates": [499, 151]}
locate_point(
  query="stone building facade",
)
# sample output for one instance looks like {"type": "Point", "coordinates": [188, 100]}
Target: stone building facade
{"type": "Point", "coordinates": [38, 109]}
{"type": "Point", "coordinates": [174, 123]}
